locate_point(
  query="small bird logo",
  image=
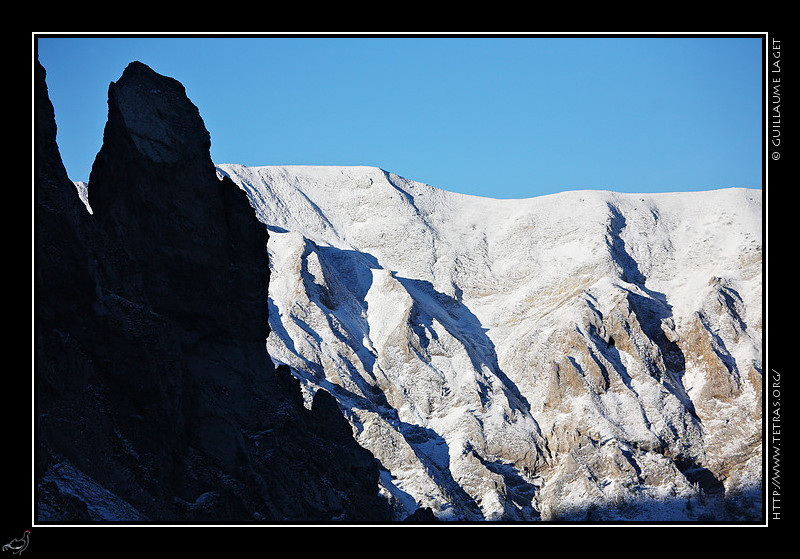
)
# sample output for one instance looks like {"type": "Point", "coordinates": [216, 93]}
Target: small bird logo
{"type": "Point", "coordinates": [18, 545]}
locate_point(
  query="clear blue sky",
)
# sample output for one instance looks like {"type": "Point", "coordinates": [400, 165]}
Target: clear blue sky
{"type": "Point", "coordinates": [493, 116]}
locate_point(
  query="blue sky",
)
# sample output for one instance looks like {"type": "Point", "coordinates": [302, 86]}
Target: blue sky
{"type": "Point", "coordinates": [493, 116]}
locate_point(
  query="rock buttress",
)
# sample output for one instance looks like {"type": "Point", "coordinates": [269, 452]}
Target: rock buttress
{"type": "Point", "coordinates": [155, 396]}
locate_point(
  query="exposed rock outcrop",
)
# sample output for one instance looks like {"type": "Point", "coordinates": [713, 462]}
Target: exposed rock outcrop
{"type": "Point", "coordinates": [155, 396]}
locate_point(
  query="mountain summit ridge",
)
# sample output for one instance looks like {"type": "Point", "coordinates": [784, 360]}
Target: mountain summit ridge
{"type": "Point", "coordinates": [492, 341]}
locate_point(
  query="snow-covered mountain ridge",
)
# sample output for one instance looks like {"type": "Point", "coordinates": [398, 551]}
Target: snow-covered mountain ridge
{"type": "Point", "coordinates": [588, 354]}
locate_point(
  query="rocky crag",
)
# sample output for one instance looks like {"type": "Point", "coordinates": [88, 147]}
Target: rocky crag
{"type": "Point", "coordinates": [155, 398]}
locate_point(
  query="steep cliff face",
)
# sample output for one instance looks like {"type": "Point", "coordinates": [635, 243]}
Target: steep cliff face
{"type": "Point", "coordinates": [155, 396]}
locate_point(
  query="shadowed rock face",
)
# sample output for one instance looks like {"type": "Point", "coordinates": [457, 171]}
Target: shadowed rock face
{"type": "Point", "coordinates": [176, 239]}
{"type": "Point", "coordinates": [155, 396]}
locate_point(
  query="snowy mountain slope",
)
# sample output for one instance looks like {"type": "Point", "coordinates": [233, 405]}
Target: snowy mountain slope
{"type": "Point", "coordinates": [582, 354]}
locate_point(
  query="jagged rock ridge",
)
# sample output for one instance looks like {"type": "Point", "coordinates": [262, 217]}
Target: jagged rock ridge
{"type": "Point", "coordinates": [582, 355]}
{"type": "Point", "coordinates": [155, 397]}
